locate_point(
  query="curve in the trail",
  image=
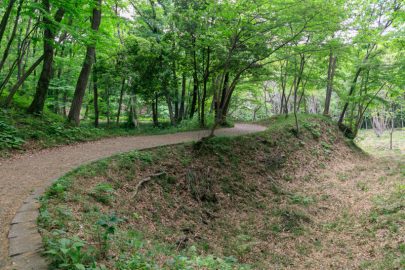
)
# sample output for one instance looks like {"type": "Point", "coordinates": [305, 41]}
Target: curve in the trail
{"type": "Point", "coordinates": [25, 177]}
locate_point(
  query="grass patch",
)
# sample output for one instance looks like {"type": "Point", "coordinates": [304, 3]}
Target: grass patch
{"type": "Point", "coordinates": [387, 218]}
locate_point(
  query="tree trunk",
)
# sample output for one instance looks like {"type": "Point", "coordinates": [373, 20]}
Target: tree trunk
{"type": "Point", "coordinates": [37, 105]}
{"type": "Point", "coordinates": [12, 36]}
{"type": "Point", "coordinates": [170, 108]}
{"type": "Point", "coordinates": [155, 111]}
{"type": "Point", "coordinates": [392, 124]}
{"type": "Point", "coordinates": [65, 98]}
{"type": "Point", "coordinates": [352, 88]}
{"type": "Point", "coordinates": [4, 20]}
{"type": "Point", "coordinates": [204, 94]}
{"type": "Point", "coordinates": [219, 114]}
{"type": "Point", "coordinates": [329, 87]}
{"type": "Point", "coordinates": [74, 113]}
{"type": "Point", "coordinates": [176, 92]}
{"type": "Point", "coordinates": [183, 97]}
{"type": "Point", "coordinates": [283, 78]}
{"type": "Point", "coordinates": [17, 85]}
{"type": "Point", "coordinates": [120, 100]}
{"type": "Point", "coordinates": [371, 47]}
{"type": "Point", "coordinates": [195, 82]}
{"type": "Point", "coordinates": [282, 101]}
{"type": "Point", "coordinates": [95, 95]}
{"type": "Point", "coordinates": [107, 97]}
{"type": "Point", "coordinates": [296, 86]}
{"type": "Point", "coordinates": [133, 118]}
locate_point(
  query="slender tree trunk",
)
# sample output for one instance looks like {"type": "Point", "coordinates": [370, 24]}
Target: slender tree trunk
{"type": "Point", "coordinates": [298, 82]}
{"type": "Point", "coordinates": [95, 95]}
{"type": "Point", "coordinates": [283, 78]}
{"type": "Point", "coordinates": [219, 112]}
{"type": "Point", "coordinates": [371, 47]}
{"type": "Point", "coordinates": [329, 87]}
{"type": "Point", "coordinates": [352, 88]}
{"type": "Point", "coordinates": [37, 105]}
{"type": "Point", "coordinates": [4, 20]}
{"type": "Point", "coordinates": [183, 97]}
{"type": "Point", "coordinates": [392, 124]}
{"type": "Point", "coordinates": [8, 76]}
{"type": "Point", "coordinates": [133, 118]}
{"type": "Point", "coordinates": [64, 107]}
{"type": "Point", "coordinates": [287, 98]}
{"type": "Point", "coordinates": [19, 61]}
{"type": "Point", "coordinates": [282, 101]}
{"type": "Point", "coordinates": [176, 91]}
{"type": "Point", "coordinates": [24, 46]}
{"type": "Point", "coordinates": [170, 108]}
{"type": "Point", "coordinates": [74, 113]}
{"type": "Point", "coordinates": [204, 94]}
{"type": "Point", "coordinates": [227, 99]}
{"type": "Point", "coordinates": [12, 36]}
{"type": "Point", "coordinates": [195, 81]}
{"type": "Point", "coordinates": [107, 98]}
{"type": "Point", "coordinates": [266, 109]}
{"type": "Point", "coordinates": [17, 85]}
{"type": "Point", "coordinates": [155, 111]}
{"type": "Point", "coordinates": [20, 55]}
{"type": "Point", "coordinates": [120, 100]}
{"type": "Point", "coordinates": [58, 75]}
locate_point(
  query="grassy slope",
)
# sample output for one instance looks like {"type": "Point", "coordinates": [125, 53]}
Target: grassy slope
{"type": "Point", "coordinates": [20, 131]}
{"type": "Point", "coordinates": [266, 201]}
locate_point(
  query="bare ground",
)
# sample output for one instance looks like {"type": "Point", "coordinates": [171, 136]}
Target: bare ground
{"type": "Point", "coordinates": [23, 173]}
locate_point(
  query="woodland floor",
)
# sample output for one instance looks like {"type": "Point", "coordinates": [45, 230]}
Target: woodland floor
{"type": "Point", "coordinates": [271, 200]}
{"type": "Point", "coordinates": [356, 205]}
{"type": "Point", "coordinates": [23, 173]}
{"type": "Point", "coordinates": [364, 225]}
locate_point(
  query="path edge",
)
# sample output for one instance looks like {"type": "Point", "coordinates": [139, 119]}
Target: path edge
{"type": "Point", "coordinates": [24, 240]}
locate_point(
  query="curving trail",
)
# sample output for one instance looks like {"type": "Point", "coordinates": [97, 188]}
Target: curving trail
{"type": "Point", "coordinates": [24, 177]}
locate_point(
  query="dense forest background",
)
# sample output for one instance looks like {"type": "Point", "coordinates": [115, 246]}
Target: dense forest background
{"type": "Point", "coordinates": [127, 61]}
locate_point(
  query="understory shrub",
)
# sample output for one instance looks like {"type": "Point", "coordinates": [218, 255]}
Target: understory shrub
{"type": "Point", "coordinates": [9, 137]}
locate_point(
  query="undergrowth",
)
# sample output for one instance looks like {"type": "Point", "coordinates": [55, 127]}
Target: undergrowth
{"type": "Point", "coordinates": [20, 131]}
{"type": "Point", "coordinates": [222, 203]}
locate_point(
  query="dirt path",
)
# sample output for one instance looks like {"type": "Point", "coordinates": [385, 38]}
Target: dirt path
{"type": "Point", "coordinates": [24, 173]}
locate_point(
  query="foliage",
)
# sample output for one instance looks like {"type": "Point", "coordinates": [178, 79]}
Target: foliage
{"type": "Point", "coordinates": [71, 254]}
{"type": "Point", "coordinates": [207, 61]}
{"type": "Point", "coordinates": [106, 227]}
{"type": "Point", "coordinates": [9, 137]}
{"type": "Point", "coordinates": [18, 130]}
{"type": "Point", "coordinates": [103, 192]}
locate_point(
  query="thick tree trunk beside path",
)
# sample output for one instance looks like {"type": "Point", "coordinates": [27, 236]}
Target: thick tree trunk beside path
{"type": "Point", "coordinates": [23, 174]}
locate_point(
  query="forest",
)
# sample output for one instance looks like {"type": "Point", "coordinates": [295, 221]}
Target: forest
{"type": "Point", "coordinates": [202, 134]}
{"type": "Point", "coordinates": [169, 61]}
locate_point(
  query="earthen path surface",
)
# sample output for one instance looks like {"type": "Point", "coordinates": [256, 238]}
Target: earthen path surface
{"type": "Point", "coordinates": [24, 177]}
